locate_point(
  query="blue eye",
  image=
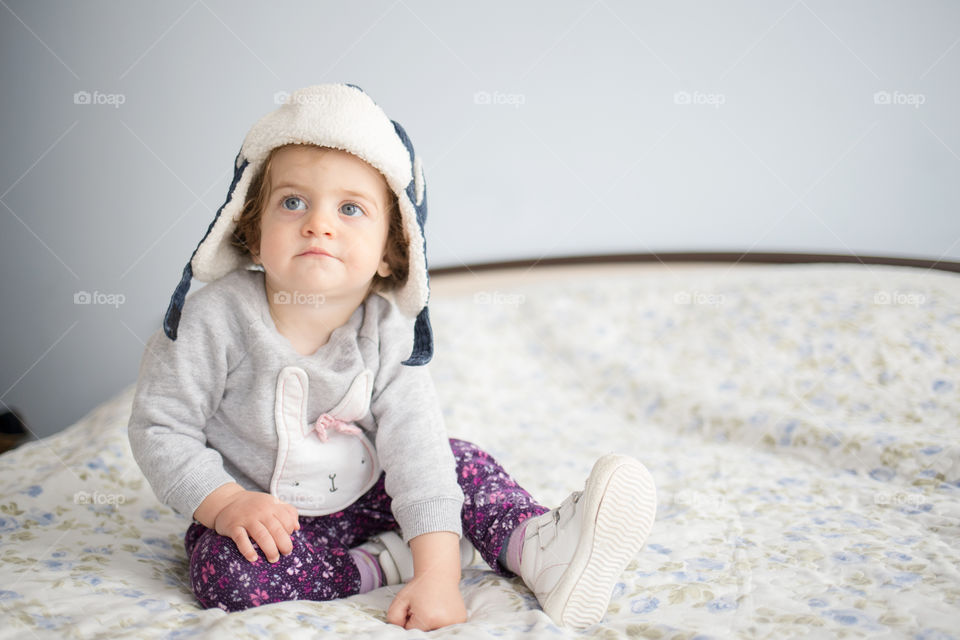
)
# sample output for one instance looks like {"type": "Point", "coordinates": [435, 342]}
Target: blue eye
{"type": "Point", "coordinates": [351, 210]}
{"type": "Point", "coordinates": [294, 199]}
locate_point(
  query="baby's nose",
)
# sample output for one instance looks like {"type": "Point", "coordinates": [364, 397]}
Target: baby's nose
{"type": "Point", "coordinates": [320, 222]}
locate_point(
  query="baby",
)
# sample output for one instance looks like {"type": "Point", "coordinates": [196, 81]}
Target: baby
{"type": "Point", "coordinates": [286, 407]}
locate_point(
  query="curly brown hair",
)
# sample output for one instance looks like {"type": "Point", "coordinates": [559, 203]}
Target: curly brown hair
{"type": "Point", "coordinates": [246, 235]}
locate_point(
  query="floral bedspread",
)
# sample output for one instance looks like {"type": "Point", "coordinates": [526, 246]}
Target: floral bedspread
{"type": "Point", "coordinates": [801, 422]}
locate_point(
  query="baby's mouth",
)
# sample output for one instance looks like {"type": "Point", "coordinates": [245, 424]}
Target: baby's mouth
{"type": "Point", "coordinates": [317, 253]}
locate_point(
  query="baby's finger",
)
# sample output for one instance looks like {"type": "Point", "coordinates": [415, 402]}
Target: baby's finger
{"type": "Point", "coordinates": [399, 611]}
{"type": "Point", "coordinates": [242, 539]}
{"type": "Point", "coordinates": [294, 516]}
{"type": "Point", "coordinates": [264, 538]}
{"type": "Point", "coordinates": [289, 520]}
{"type": "Point", "coordinates": [281, 537]}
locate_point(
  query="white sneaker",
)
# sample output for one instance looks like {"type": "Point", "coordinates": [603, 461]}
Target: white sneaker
{"type": "Point", "coordinates": [396, 558]}
{"type": "Point", "coordinates": [573, 555]}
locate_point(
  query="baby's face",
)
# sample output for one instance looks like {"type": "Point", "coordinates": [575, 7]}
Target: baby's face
{"type": "Point", "coordinates": [324, 224]}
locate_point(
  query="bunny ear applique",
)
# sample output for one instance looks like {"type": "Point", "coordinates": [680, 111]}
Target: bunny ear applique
{"type": "Point", "coordinates": [356, 402]}
{"type": "Point", "coordinates": [354, 405]}
{"type": "Point", "coordinates": [291, 403]}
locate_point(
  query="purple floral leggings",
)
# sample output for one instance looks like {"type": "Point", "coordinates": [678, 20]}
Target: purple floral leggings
{"type": "Point", "coordinates": [319, 567]}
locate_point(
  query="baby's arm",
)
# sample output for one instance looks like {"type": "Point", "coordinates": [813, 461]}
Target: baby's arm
{"type": "Point", "coordinates": [421, 479]}
{"type": "Point", "coordinates": [432, 598]}
{"type": "Point", "coordinates": [239, 514]}
{"type": "Point", "coordinates": [180, 386]}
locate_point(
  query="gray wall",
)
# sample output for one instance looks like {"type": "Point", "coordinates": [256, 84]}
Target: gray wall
{"type": "Point", "coordinates": [546, 128]}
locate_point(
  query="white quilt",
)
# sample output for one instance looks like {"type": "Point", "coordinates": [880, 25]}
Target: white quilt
{"type": "Point", "coordinates": [801, 423]}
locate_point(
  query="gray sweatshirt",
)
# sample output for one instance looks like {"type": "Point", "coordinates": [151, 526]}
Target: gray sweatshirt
{"type": "Point", "coordinates": [205, 410]}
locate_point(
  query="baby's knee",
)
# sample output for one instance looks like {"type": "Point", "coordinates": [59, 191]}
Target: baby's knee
{"type": "Point", "coordinates": [219, 575]}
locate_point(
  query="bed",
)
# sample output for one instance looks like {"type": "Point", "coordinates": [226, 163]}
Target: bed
{"type": "Point", "coordinates": [801, 422]}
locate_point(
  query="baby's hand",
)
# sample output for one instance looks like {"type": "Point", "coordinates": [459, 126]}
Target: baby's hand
{"type": "Point", "coordinates": [426, 603]}
{"type": "Point", "coordinates": [432, 598]}
{"type": "Point", "coordinates": [261, 516]}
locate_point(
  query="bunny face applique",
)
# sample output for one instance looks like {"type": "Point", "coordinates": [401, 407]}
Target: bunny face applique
{"type": "Point", "coordinates": [325, 465]}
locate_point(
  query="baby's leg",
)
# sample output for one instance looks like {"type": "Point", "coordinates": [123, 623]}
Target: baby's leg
{"type": "Point", "coordinates": [494, 504]}
{"type": "Point", "coordinates": [223, 578]}
{"type": "Point", "coordinates": [318, 568]}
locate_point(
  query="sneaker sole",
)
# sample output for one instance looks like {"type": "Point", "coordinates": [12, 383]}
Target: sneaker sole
{"type": "Point", "coordinates": [621, 499]}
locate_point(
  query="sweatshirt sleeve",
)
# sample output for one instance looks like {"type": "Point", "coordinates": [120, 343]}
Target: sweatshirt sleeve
{"type": "Point", "coordinates": [411, 440]}
{"type": "Point", "coordinates": [179, 388]}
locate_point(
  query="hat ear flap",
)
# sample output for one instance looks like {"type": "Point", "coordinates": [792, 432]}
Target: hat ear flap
{"type": "Point", "coordinates": [171, 320]}
{"type": "Point", "coordinates": [422, 341]}
{"type": "Point", "coordinates": [417, 189]}
{"type": "Point", "coordinates": [416, 192]}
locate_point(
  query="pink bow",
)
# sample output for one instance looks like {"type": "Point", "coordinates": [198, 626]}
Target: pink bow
{"type": "Point", "coordinates": [326, 421]}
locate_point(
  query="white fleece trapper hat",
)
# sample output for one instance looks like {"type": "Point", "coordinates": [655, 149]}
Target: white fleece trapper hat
{"type": "Point", "coordinates": [331, 115]}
